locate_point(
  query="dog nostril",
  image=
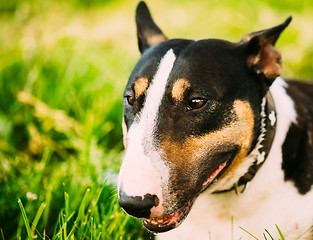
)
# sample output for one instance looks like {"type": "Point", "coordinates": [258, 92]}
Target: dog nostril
{"type": "Point", "coordinates": [138, 206]}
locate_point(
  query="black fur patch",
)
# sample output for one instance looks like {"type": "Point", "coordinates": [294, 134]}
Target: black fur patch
{"type": "Point", "coordinates": [298, 145]}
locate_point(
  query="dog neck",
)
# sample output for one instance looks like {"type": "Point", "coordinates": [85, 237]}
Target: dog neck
{"type": "Point", "coordinates": [263, 145]}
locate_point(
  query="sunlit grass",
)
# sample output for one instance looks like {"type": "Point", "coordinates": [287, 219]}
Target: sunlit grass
{"type": "Point", "coordinates": [267, 235]}
{"type": "Point", "coordinates": [63, 67]}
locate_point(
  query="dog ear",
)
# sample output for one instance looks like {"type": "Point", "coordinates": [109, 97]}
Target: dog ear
{"type": "Point", "coordinates": [262, 57]}
{"type": "Point", "coordinates": [148, 33]}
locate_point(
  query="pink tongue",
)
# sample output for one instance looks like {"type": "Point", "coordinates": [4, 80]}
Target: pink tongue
{"type": "Point", "coordinates": [214, 174]}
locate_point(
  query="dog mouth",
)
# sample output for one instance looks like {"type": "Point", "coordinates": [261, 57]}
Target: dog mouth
{"type": "Point", "coordinates": [214, 175]}
{"type": "Point", "coordinates": [173, 220]}
{"type": "Point", "coordinates": [169, 222]}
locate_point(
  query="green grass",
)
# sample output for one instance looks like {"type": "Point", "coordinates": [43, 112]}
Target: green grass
{"type": "Point", "coordinates": [63, 67]}
{"type": "Point", "coordinates": [267, 235]}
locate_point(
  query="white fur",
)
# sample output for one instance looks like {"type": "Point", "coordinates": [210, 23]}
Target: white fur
{"type": "Point", "coordinates": [272, 118]}
{"type": "Point", "coordinates": [142, 167]}
{"type": "Point", "coordinates": [256, 152]}
{"type": "Point", "coordinates": [269, 200]}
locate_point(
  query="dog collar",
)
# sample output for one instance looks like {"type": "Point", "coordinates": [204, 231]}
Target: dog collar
{"type": "Point", "coordinates": [263, 146]}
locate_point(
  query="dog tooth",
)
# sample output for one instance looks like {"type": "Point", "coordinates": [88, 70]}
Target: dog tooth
{"type": "Point", "coordinates": [154, 222]}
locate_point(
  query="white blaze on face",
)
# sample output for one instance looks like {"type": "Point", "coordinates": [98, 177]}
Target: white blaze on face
{"type": "Point", "coordinates": [142, 167]}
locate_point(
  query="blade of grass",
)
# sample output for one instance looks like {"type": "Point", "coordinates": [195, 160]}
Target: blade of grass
{"type": "Point", "coordinates": [61, 225]}
{"type": "Point", "coordinates": [92, 228]}
{"type": "Point", "coordinates": [2, 235]}
{"type": "Point", "coordinates": [99, 236]}
{"type": "Point", "coordinates": [26, 222]}
{"type": "Point", "coordinates": [269, 234]}
{"type": "Point", "coordinates": [40, 236]}
{"type": "Point", "coordinates": [96, 200]}
{"type": "Point", "coordinates": [309, 229]}
{"type": "Point", "coordinates": [122, 227]}
{"type": "Point", "coordinates": [48, 198]}
{"type": "Point", "coordinates": [37, 217]}
{"type": "Point", "coordinates": [248, 233]}
{"type": "Point", "coordinates": [82, 207]}
{"type": "Point", "coordinates": [67, 210]}
{"type": "Point", "coordinates": [280, 233]}
{"type": "Point", "coordinates": [81, 212]}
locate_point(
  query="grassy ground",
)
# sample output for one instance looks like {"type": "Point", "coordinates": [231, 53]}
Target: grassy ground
{"type": "Point", "coordinates": [63, 66]}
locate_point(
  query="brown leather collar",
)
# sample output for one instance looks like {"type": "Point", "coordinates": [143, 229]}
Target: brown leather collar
{"type": "Point", "coordinates": [268, 130]}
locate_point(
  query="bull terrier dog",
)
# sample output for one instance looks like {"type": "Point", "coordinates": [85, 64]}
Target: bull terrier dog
{"type": "Point", "coordinates": [217, 143]}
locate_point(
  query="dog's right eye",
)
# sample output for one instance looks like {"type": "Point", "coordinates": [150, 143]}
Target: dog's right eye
{"type": "Point", "coordinates": [130, 100]}
{"type": "Point", "coordinates": [196, 103]}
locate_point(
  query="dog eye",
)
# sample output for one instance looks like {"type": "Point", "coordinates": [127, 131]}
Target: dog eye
{"type": "Point", "coordinates": [130, 100]}
{"type": "Point", "coordinates": [196, 103]}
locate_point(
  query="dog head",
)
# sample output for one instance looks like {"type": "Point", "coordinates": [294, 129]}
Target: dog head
{"type": "Point", "coordinates": [192, 117]}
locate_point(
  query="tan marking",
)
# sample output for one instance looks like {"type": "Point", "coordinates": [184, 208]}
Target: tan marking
{"type": "Point", "coordinates": [156, 39]}
{"type": "Point", "coordinates": [238, 132]}
{"type": "Point", "coordinates": [268, 61]}
{"type": "Point", "coordinates": [140, 86]}
{"type": "Point", "coordinates": [246, 38]}
{"type": "Point", "coordinates": [245, 136]}
{"type": "Point", "coordinates": [179, 89]}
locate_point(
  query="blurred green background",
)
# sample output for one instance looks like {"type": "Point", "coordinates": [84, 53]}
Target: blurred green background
{"type": "Point", "coordinates": [63, 67]}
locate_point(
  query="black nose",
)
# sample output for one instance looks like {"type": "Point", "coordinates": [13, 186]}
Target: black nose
{"type": "Point", "coordinates": [138, 206]}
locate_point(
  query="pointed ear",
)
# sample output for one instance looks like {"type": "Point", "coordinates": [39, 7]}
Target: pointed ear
{"type": "Point", "coordinates": [148, 33]}
{"type": "Point", "coordinates": [262, 57]}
